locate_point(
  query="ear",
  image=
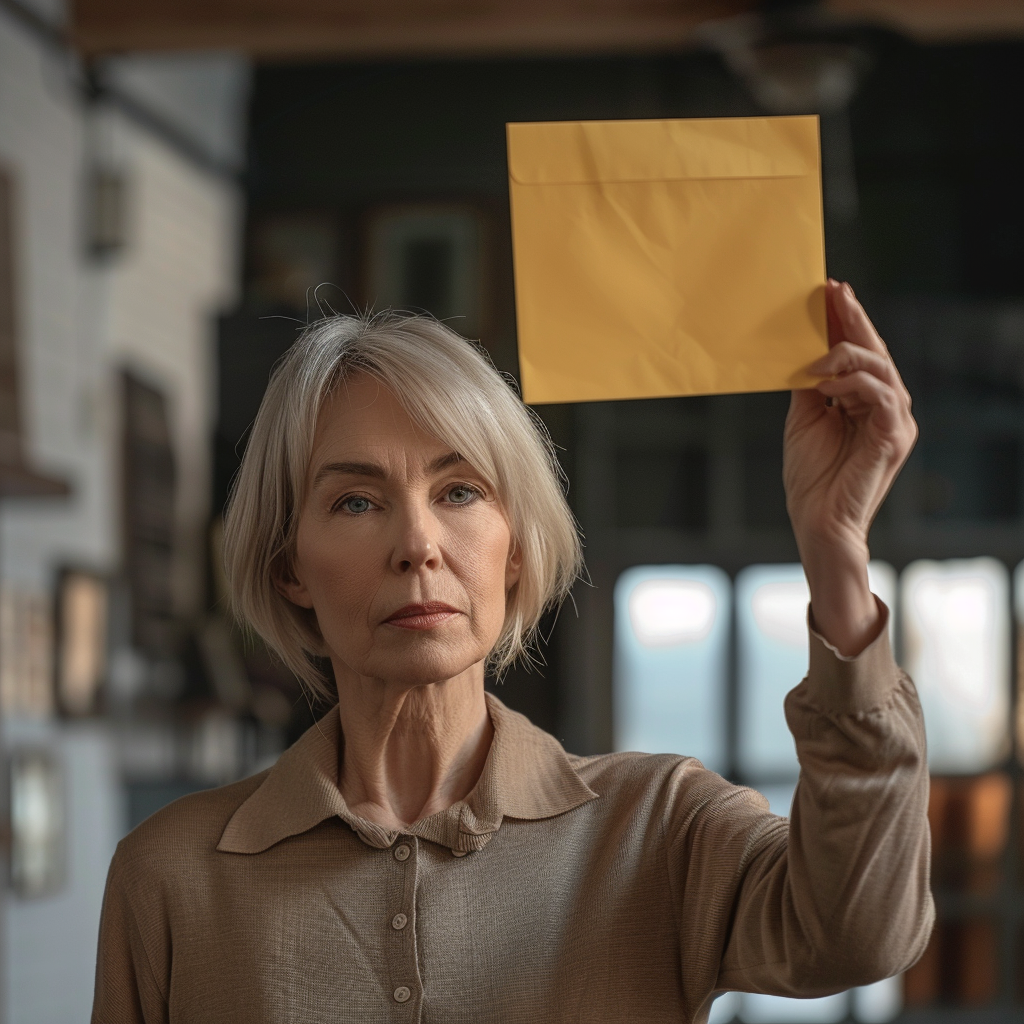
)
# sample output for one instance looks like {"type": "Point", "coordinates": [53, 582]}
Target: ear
{"type": "Point", "coordinates": [289, 586]}
{"type": "Point", "coordinates": [513, 566]}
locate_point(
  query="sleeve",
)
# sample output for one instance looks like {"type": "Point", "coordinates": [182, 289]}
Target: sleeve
{"type": "Point", "coordinates": [839, 895]}
{"type": "Point", "coordinates": [127, 991]}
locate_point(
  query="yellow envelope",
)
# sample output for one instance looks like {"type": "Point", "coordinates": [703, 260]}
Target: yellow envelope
{"type": "Point", "coordinates": [657, 258]}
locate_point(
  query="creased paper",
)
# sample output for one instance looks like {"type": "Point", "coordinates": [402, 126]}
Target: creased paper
{"type": "Point", "coordinates": [658, 258]}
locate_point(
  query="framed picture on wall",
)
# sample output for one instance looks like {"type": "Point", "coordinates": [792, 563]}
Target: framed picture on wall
{"type": "Point", "coordinates": [82, 621]}
{"type": "Point", "coordinates": [149, 495]}
{"type": "Point", "coordinates": [291, 255]}
{"type": "Point", "coordinates": [426, 258]}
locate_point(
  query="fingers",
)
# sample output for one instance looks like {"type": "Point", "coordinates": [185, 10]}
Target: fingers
{"type": "Point", "coordinates": [835, 325]}
{"type": "Point", "coordinates": [848, 358]}
{"type": "Point", "coordinates": [851, 322]}
{"type": "Point", "coordinates": [804, 402]}
{"type": "Point", "coordinates": [862, 385]}
{"type": "Point", "coordinates": [855, 334]}
{"type": "Point", "coordinates": [860, 389]}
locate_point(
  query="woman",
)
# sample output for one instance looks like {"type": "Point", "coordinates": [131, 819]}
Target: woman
{"type": "Point", "coordinates": [425, 854]}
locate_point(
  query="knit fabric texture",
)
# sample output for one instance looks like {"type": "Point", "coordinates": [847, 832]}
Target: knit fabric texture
{"type": "Point", "coordinates": [619, 888]}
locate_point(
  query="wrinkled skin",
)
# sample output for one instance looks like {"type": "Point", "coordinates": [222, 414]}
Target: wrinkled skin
{"type": "Point", "coordinates": [392, 517]}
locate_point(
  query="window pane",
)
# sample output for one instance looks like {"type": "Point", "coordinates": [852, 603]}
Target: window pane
{"type": "Point", "coordinates": [671, 655]}
{"type": "Point", "coordinates": [760, 1009]}
{"type": "Point", "coordinates": [884, 583]}
{"type": "Point", "coordinates": [872, 1004]}
{"type": "Point", "coordinates": [771, 624]}
{"type": "Point", "coordinates": [878, 1003]}
{"type": "Point", "coordinates": [956, 633]}
{"type": "Point", "coordinates": [724, 1008]}
{"type": "Point", "coordinates": [779, 797]}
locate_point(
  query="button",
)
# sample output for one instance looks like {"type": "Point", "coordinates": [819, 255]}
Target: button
{"type": "Point", "coordinates": [402, 853]}
{"type": "Point", "coordinates": [402, 994]}
{"type": "Point", "coordinates": [459, 853]}
{"type": "Point", "coordinates": [399, 921]}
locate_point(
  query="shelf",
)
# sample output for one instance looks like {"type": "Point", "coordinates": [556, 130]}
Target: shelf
{"type": "Point", "coordinates": [19, 481]}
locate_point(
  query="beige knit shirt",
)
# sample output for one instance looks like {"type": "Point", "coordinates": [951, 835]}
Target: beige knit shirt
{"type": "Point", "coordinates": [625, 887]}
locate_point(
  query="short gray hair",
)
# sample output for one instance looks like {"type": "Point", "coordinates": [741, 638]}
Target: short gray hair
{"type": "Point", "coordinates": [451, 389]}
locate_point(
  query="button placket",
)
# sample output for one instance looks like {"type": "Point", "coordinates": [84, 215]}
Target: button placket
{"type": "Point", "coordinates": [403, 956]}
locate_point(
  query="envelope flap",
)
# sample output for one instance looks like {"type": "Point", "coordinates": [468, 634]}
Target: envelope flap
{"type": "Point", "coordinates": [549, 153]}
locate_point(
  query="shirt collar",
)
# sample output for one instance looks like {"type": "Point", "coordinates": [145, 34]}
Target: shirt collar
{"type": "Point", "coordinates": [526, 775]}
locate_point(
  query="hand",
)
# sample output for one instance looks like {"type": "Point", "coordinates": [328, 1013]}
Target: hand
{"type": "Point", "coordinates": [845, 443]}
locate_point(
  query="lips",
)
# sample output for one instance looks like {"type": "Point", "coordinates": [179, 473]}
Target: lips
{"type": "Point", "coordinates": [422, 616]}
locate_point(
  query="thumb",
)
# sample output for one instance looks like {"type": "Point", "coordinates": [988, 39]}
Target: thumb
{"type": "Point", "coordinates": [807, 402]}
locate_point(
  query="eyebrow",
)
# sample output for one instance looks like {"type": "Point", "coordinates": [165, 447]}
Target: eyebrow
{"type": "Point", "coordinates": [377, 471]}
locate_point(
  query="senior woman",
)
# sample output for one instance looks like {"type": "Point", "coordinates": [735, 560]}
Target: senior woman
{"type": "Point", "coordinates": [425, 854]}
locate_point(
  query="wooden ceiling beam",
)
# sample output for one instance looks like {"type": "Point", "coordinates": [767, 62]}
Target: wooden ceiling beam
{"type": "Point", "coordinates": [283, 29]}
{"type": "Point", "coordinates": [934, 21]}
{"type": "Point", "coordinates": [293, 29]}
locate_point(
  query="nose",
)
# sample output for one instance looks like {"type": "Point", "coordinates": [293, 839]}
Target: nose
{"type": "Point", "coordinates": [417, 544]}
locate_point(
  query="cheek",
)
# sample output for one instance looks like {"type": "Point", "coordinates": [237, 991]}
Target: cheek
{"type": "Point", "coordinates": [340, 572]}
{"type": "Point", "coordinates": [480, 558]}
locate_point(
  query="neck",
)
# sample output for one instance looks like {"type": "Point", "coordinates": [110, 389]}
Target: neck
{"type": "Point", "coordinates": [410, 752]}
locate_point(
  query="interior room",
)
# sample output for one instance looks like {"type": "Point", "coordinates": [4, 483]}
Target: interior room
{"type": "Point", "coordinates": [185, 187]}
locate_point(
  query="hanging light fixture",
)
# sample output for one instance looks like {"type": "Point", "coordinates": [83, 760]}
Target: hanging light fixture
{"type": "Point", "coordinates": [794, 58]}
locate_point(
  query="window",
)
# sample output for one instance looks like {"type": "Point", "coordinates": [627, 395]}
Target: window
{"type": "Point", "coordinates": [672, 677]}
{"type": "Point", "coordinates": [671, 661]}
{"type": "Point", "coordinates": [872, 1004]}
{"type": "Point", "coordinates": [772, 653]}
{"type": "Point", "coordinates": [771, 634]}
{"type": "Point", "coordinates": [956, 647]}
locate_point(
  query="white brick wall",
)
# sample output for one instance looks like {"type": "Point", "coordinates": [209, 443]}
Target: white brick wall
{"type": "Point", "coordinates": [152, 309]}
{"type": "Point", "coordinates": [41, 142]}
{"type": "Point", "coordinates": [178, 270]}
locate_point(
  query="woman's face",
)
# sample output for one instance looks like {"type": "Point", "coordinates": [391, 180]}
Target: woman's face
{"type": "Point", "coordinates": [403, 551]}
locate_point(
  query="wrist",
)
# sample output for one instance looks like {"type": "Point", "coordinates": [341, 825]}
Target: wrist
{"type": "Point", "coordinates": [843, 609]}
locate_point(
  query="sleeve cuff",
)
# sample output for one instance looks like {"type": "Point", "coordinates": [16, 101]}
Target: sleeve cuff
{"type": "Point", "coordinates": [845, 685]}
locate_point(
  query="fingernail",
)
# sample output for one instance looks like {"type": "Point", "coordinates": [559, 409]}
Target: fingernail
{"type": "Point", "coordinates": [849, 289]}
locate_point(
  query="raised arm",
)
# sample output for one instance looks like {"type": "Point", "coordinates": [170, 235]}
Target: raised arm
{"type": "Point", "coordinates": [839, 896]}
{"type": "Point", "coordinates": [845, 443]}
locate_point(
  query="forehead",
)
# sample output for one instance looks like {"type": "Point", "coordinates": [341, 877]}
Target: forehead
{"type": "Point", "coordinates": [361, 414]}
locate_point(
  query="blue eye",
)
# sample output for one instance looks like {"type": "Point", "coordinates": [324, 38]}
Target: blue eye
{"type": "Point", "coordinates": [461, 495]}
{"type": "Point", "coordinates": [356, 505]}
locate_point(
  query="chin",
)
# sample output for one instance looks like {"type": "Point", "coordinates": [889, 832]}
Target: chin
{"type": "Point", "coordinates": [434, 667]}
{"type": "Point", "coordinates": [421, 664]}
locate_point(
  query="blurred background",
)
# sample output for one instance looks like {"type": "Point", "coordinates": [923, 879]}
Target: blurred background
{"type": "Point", "coordinates": [184, 184]}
